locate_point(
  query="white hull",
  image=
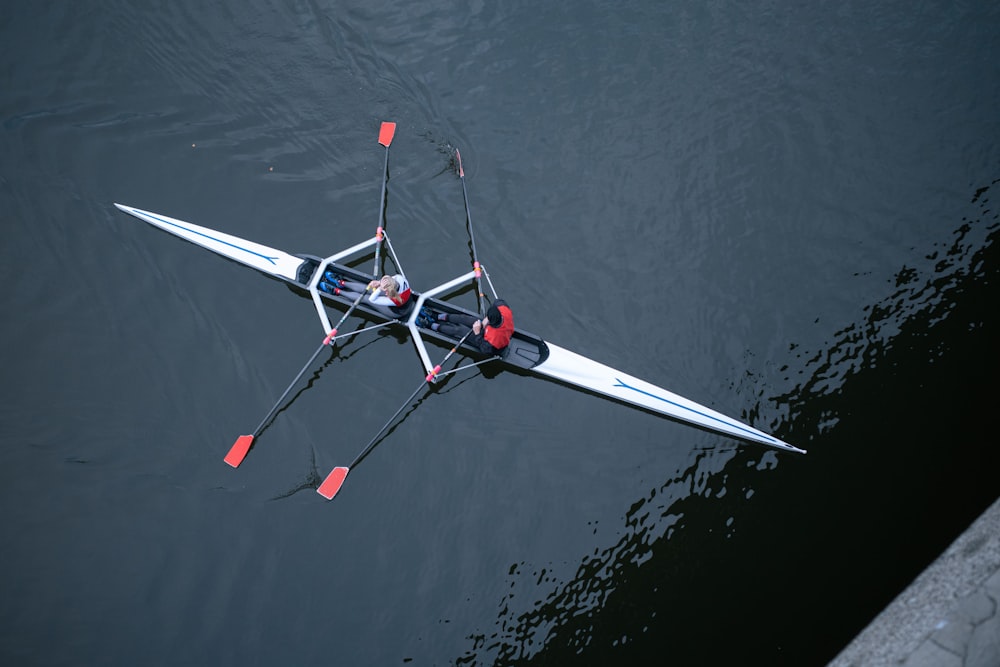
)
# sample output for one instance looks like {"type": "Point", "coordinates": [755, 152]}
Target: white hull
{"type": "Point", "coordinates": [260, 257]}
{"type": "Point", "coordinates": [575, 369]}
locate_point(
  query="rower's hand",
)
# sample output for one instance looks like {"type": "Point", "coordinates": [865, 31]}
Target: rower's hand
{"type": "Point", "coordinates": [373, 284]}
{"type": "Point", "coordinates": [477, 327]}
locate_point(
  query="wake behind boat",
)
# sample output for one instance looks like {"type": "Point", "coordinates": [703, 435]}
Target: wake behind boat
{"type": "Point", "coordinates": [526, 351]}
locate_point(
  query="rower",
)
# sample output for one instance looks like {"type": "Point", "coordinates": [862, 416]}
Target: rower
{"type": "Point", "coordinates": [491, 335]}
{"type": "Point", "coordinates": [391, 295]}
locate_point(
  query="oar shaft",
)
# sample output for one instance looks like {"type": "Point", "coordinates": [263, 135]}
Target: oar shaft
{"type": "Point", "coordinates": [284, 394]}
{"type": "Point", "coordinates": [371, 443]}
{"type": "Point", "coordinates": [437, 369]}
{"type": "Point", "coordinates": [472, 236]}
{"type": "Point", "coordinates": [326, 341]}
{"type": "Point", "coordinates": [242, 445]}
{"type": "Point", "coordinates": [330, 486]}
{"type": "Point", "coordinates": [385, 134]}
{"type": "Point", "coordinates": [333, 331]}
{"type": "Point", "coordinates": [379, 231]}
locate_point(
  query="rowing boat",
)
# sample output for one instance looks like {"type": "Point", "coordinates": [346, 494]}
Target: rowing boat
{"type": "Point", "coordinates": [527, 351]}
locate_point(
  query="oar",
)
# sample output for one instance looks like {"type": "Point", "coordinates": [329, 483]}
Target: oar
{"type": "Point", "coordinates": [240, 448]}
{"type": "Point", "coordinates": [385, 135]}
{"type": "Point", "coordinates": [472, 237]}
{"type": "Point", "coordinates": [331, 485]}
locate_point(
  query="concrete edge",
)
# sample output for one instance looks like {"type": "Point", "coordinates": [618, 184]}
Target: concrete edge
{"type": "Point", "coordinates": [934, 597]}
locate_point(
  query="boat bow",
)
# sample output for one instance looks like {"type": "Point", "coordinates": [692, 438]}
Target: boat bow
{"type": "Point", "coordinates": [577, 370]}
{"type": "Point", "coordinates": [261, 257]}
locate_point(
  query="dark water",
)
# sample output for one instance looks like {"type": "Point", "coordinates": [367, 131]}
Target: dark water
{"type": "Point", "coordinates": [788, 214]}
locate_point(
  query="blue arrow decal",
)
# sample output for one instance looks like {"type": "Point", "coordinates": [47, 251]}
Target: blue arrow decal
{"type": "Point", "coordinates": [730, 424]}
{"type": "Point", "coordinates": [202, 234]}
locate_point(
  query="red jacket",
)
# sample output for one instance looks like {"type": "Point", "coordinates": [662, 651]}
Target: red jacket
{"type": "Point", "coordinates": [499, 337]}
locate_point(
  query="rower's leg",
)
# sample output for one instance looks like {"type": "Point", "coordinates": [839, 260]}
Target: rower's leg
{"type": "Point", "coordinates": [458, 318]}
{"type": "Point", "coordinates": [450, 329]}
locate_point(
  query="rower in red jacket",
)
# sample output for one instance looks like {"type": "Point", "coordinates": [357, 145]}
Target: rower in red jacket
{"type": "Point", "coordinates": [491, 334]}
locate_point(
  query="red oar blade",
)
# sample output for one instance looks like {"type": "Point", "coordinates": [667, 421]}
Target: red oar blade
{"type": "Point", "coordinates": [386, 133]}
{"type": "Point", "coordinates": [331, 485]}
{"type": "Point", "coordinates": [239, 450]}
{"type": "Point", "coordinates": [461, 172]}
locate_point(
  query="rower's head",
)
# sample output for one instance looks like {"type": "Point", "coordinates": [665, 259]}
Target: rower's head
{"type": "Point", "coordinates": [389, 286]}
{"type": "Point", "coordinates": [494, 316]}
